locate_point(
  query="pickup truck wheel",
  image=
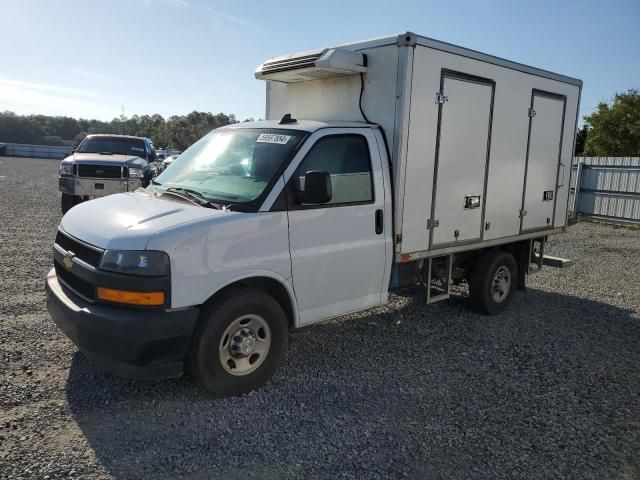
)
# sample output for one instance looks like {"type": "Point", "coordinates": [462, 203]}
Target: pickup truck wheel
{"type": "Point", "coordinates": [241, 340]}
{"type": "Point", "coordinates": [493, 282]}
{"type": "Point", "coordinates": [67, 201]}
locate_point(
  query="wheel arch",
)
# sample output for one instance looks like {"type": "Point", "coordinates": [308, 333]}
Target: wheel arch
{"type": "Point", "coordinates": [273, 285]}
{"type": "Point", "coordinates": [482, 286]}
{"type": "Point", "coordinates": [520, 251]}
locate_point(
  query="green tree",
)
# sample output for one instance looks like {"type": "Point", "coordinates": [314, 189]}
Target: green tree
{"type": "Point", "coordinates": [581, 139]}
{"type": "Point", "coordinates": [614, 129]}
{"type": "Point", "coordinates": [63, 127]}
{"type": "Point", "coordinates": [78, 138]}
{"type": "Point", "coordinates": [20, 129]}
{"type": "Point", "coordinates": [52, 140]}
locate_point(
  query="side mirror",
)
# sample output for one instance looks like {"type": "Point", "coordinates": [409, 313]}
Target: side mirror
{"type": "Point", "coordinates": [317, 188]}
{"type": "Point", "coordinates": [73, 149]}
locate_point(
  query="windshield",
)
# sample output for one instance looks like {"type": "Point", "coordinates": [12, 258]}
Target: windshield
{"type": "Point", "coordinates": [116, 145]}
{"type": "Point", "coordinates": [234, 165]}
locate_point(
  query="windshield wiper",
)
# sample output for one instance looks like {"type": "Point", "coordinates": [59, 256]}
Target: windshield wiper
{"type": "Point", "coordinates": [193, 196]}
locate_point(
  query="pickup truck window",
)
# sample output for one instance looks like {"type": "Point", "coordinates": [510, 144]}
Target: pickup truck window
{"type": "Point", "coordinates": [115, 145]}
{"type": "Point", "coordinates": [233, 166]}
{"type": "Point", "coordinates": [346, 159]}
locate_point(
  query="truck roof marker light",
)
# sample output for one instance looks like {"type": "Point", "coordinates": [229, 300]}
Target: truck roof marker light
{"type": "Point", "coordinates": [131, 298]}
{"type": "Point", "coordinates": [286, 119]}
{"type": "Point", "coordinates": [405, 257]}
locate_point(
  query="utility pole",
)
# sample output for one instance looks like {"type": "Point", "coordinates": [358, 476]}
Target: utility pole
{"type": "Point", "coordinates": [122, 119]}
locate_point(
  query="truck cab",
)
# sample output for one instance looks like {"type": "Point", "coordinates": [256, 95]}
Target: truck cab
{"type": "Point", "coordinates": [106, 164]}
{"type": "Point", "coordinates": [228, 246]}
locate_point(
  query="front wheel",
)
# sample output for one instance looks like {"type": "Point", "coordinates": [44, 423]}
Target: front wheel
{"type": "Point", "coordinates": [493, 282]}
{"type": "Point", "coordinates": [68, 201]}
{"type": "Point", "coordinates": [241, 340]}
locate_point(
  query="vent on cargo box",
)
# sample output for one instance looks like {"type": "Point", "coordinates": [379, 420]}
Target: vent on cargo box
{"type": "Point", "coordinates": [327, 63]}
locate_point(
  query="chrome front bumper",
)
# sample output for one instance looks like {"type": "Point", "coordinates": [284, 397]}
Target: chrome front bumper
{"type": "Point", "coordinates": [97, 187]}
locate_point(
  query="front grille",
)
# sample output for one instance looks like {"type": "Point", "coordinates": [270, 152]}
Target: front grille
{"type": "Point", "coordinates": [85, 253]}
{"type": "Point", "coordinates": [75, 283]}
{"type": "Point", "coordinates": [101, 171]}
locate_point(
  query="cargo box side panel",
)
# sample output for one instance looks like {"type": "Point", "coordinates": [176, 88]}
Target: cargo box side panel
{"type": "Point", "coordinates": [336, 99]}
{"type": "Point", "coordinates": [507, 158]}
{"type": "Point", "coordinates": [566, 156]}
{"type": "Point", "coordinates": [420, 153]}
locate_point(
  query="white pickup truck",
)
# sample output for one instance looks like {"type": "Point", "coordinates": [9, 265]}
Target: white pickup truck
{"type": "Point", "coordinates": [106, 164]}
{"type": "Point", "coordinates": [418, 162]}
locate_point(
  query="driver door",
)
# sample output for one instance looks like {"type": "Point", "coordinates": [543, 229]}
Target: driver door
{"type": "Point", "coordinates": [338, 248]}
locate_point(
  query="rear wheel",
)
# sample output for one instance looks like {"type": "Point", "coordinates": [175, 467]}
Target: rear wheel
{"type": "Point", "coordinates": [68, 201]}
{"type": "Point", "coordinates": [493, 282]}
{"type": "Point", "coordinates": [241, 341]}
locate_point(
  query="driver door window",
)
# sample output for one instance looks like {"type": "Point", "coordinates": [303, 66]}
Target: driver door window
{"type": "Point", "coordinates": [346, 158]}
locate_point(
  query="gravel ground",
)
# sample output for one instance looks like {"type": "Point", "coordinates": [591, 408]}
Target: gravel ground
{"type": "Point", "coordinates": [550, 389]}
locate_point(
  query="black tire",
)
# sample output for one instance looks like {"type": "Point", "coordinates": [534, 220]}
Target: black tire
{"type": "Point", "coordinates": [68, 201]}
{"type": "Point", "coordinates": [205, 357]}
{"type": "Point", "coordinates": [481, 283]}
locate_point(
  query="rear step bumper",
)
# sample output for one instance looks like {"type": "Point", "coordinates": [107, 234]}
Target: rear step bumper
{"type": "Point", "coordinates": [555, 262]}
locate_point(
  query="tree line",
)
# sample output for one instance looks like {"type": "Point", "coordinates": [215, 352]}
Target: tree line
{"type": "Point", "coordinates": [613, 129]}
{"type": "Point", "coordinates": [176, 132]}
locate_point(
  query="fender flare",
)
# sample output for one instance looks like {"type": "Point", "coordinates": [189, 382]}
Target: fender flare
{"type": "Point", "coordinates": [285, 282]}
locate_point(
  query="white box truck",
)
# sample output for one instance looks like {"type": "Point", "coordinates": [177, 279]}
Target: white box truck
{"type": "Point", "coordinates": [384, 163]}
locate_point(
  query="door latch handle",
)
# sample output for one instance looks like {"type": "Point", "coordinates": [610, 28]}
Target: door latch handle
{"type": "Point", "coordinates": [561, 178]}
{"type": "Point", "coordinates": [379, 222]}
{"type": "Point", "coordinates": [472, 201]}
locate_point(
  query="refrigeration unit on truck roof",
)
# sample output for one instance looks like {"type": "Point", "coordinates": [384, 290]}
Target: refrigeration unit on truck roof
{"type": "Point", "coordinates": [326, 63]}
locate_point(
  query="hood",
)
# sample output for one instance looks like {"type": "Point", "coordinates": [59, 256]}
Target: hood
{"type": "Point", "coordinates": [103, 159]}
{"type": "Point", "coordinates": [127, 220]}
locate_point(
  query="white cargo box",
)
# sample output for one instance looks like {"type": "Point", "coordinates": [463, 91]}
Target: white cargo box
{"type": "Point", "coordinates": [481, 147]}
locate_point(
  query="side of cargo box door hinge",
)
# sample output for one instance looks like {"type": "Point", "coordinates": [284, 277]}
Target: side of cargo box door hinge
{"type": "Point", "coordinates": [532, 113]}
{"type": "Point", "coordinates": [522, 213]}
{"type": "Point", "coordinates": [440, 98]}
{"type": "Point", "coordinates": [432, 224]}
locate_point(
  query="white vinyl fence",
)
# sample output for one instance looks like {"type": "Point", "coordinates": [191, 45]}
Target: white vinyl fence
{"type": "Point", "coordinates": [606, 188]}
{"type": "Point", "coordinates": [35, 151]}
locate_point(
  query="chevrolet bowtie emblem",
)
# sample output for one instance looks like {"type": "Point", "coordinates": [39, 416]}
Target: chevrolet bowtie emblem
{"type": "Point", "coordinates": [68, 260]}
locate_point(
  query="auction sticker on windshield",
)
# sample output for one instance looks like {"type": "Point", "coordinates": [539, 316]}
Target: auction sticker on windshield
{"type": "Point", "coordinates": [273, 138]}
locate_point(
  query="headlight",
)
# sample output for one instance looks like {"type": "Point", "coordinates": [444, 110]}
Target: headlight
{"type": "Point", "coordinates": [144, 262]}
{"type": "Point", "coordinates": [66, 169]}
{"type": "Point", "coordinates": [135, 172]}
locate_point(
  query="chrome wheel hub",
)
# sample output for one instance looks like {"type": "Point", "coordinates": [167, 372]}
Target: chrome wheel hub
{"type": "Point", "coordinates": [501, 284]}
{"type": "Point", "coordinates": [244, 345]}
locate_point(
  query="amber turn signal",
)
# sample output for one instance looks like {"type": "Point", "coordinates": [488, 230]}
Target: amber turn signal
{"type": "Point", "coordinates": [131, 298]}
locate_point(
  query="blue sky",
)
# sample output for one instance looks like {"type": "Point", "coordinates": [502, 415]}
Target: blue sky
{"type": "Point", "coordinates": [87, 58]}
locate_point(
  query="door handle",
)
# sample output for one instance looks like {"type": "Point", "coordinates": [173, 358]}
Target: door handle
{"type": "Point", "coordinates": [379, 221]}
{"type": "Point", "coordinates": [472, 201]}
{"type": "Point", "coordinates": [561, 179]}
